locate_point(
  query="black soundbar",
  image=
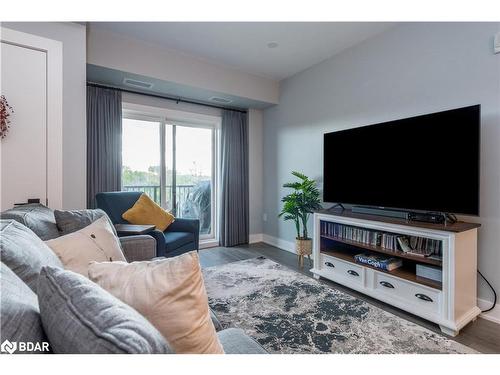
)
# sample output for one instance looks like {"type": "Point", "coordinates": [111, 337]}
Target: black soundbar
{"type": "Point", "coordinates": [381, 212]}
{"type": "Point", "coordinates": [427, 217]}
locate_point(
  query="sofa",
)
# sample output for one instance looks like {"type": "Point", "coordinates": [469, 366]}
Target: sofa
{"type": "Point", "coordinates": [182, 236]}
{"type": "Point", "coordinates": [25, 260]}
{"type": "Point", "coordinates": [40, 219]}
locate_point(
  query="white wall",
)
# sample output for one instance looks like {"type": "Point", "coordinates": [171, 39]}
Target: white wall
{"type": "Point", "coordinates": [413, 69]}
{"type": "Point", "coordinates": [74, 103]}
{"type": "Point", "coordinates": [116, 51]}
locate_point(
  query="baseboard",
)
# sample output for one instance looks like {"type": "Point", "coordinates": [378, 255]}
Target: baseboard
{"type": "Point", "coordinates": [279, 243]}
{"type": "Point", "coordinates": [493, 315]}
{"type": "Point", "coordinates": [258, 237]}
{"type": "Point", "coordinates": [206, 244]}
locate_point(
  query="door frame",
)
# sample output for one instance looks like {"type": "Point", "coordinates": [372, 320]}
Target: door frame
{"type": "Point", "coordinates": [54, 107]}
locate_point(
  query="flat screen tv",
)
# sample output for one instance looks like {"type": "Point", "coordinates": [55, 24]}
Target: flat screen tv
{"type": "Point", "coordinates": [424, 163]}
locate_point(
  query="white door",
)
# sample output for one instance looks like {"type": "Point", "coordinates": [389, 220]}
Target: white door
{"type": "Point", "coordinates": [23, 150]}
{"type": "Point", "coordinates": [31, 153]}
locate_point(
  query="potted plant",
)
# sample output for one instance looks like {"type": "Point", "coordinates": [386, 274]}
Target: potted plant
{"type": "Point", "coordinates": [298, 206]}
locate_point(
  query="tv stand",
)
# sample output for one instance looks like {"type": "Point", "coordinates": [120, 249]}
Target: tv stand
{"type": "Point", "coordinates": [450, 302]}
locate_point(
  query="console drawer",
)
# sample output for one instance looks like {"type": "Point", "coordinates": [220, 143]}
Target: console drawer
{"type": "Point", "coordinates": [420, 297]}
{"type": "Point", "coordinates": [340, 268]}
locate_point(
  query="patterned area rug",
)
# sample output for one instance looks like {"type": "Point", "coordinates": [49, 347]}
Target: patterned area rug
{"type": "Point", "coordinates": [287, 312]}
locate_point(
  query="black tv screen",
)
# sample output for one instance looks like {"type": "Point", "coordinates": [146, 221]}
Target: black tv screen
{"type": "Point", "coordinates": [428, 163]}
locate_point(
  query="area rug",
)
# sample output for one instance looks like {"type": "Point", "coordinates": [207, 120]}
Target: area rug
{"type": "Point", "coordinates": [287, 312]}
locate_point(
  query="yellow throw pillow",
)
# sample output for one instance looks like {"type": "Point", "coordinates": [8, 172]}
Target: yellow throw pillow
{"type": "Point", "coordinates": [95, 242]}
{"type": "Point", "coordinates": [146, 212]}
{"type": "Point", "coordinates": [170, 293]}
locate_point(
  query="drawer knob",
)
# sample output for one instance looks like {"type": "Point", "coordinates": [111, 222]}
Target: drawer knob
{"type": "Point", "coordinates": [353, 273]}
{"type": "Point", "coordinates": [423, 297]}
{"type": "Point", "coordinates": [387, 284]}
{"type": "Point", "coordinates": [328, 264]}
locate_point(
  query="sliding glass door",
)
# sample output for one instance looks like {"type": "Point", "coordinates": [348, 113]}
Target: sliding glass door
{"type": "Point", "coordinates": [174, 163]}
{"type": "Point", "coordinates": [194, 153]}
{"type": "Point", "coordinates": [141, 157]}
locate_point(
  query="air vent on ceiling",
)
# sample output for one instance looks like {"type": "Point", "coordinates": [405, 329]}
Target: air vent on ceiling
{"type": "Point", "coordinates": [220, 100]}
{"type": "Point", "coordinates": [136, 83]}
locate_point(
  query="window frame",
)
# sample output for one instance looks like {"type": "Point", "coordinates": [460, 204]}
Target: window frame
{"type": "Point", "coordinates": [176, 118]}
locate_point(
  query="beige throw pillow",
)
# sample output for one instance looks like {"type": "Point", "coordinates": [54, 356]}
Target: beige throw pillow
{"type": "Point", "coordinates": [95, 242]}
{"type": "Point", "coordinates": [170, 293]}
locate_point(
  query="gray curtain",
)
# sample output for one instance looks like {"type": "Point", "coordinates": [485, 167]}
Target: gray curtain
{"type": "Point", "coordinates": [104, 141]}
{"type": "Point", "coordinates": [234, 179]}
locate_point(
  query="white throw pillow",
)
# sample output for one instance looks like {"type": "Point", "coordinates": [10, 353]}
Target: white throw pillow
{"type": "Point", "coordinates": [94, 243]}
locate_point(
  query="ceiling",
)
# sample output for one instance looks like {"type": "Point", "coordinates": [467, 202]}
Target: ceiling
{"type": "Point", "coordinates": [244, 45]}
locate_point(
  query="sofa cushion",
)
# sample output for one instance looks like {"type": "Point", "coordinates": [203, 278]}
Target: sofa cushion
{"type": "Point", "coordinates": [175, 240]}
{"type": "Point", "coordinates": [24, 253]}
{"type": "Point", "coordinates": [19, 313]}
{"type": "Point", "coordinates": [235, 341]}
{"type": "Point", "coordinates": [80, 317]}
{"type": "Point", "coordinates": [95, 242]}
{"type": "Point", "coordinates": [170, 293]}
{"type": "Point", "coordinates": [37, 217]}
{"type": "Point", "coordinates": [146, 211]}
{"type": "Point", "coordinates": [69, 221]}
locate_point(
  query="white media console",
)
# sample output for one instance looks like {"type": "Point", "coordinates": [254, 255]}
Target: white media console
{"type": "Point", "coordinates": [450, 302]}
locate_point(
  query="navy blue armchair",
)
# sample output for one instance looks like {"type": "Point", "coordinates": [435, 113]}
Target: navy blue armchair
{"type": "Point", "coordinates": [181, 236]}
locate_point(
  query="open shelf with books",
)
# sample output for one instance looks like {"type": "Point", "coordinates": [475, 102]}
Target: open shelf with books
{"type": "Point", "coordinates": [419, 249]}
{"type": "Point", "coordinates": [427, 270]}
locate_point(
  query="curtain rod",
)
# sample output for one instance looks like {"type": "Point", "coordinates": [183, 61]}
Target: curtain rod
{"type": "Point", "coordinates": [177, 100]}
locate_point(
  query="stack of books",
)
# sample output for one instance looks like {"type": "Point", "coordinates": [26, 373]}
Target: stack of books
{"type": "Point", "coordinates": [420, 245]}
{"type": "Point", "coordinates": [378, 261]}
{"type": "Point", "coordinates": [390, 241]}
{"type": "Point", "coordinates": [350, 233]}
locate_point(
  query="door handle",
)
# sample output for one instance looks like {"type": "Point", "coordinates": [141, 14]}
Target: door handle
{"type": "Point", "coordinates": [353, 273]}
{"type": "Point", "coordinates": [328, 264]}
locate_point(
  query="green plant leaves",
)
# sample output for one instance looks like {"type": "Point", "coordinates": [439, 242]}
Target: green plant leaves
{"type": "Point", "coordinates": [301, 202]}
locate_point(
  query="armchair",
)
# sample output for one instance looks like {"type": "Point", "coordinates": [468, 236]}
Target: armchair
{"type": "Point", "coordinates": [180, 237]}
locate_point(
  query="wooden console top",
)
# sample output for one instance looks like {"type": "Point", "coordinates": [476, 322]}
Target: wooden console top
{"type": "Point", "coordinates": [459, 226]}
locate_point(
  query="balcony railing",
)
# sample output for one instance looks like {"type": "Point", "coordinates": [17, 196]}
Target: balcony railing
{"type": "Point", "coordinates": [154, 191]}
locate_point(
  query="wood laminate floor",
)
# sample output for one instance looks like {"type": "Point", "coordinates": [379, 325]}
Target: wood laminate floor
{"type": "Point", "coordinates": [482, 335]}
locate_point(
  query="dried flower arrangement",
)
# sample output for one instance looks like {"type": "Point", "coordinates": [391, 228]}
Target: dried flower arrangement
{"type": "Point", "coordinates": [5, 112]}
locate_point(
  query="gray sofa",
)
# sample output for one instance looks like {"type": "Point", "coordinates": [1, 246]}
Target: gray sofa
{"type": "Point", "coordinates": [30, 312]}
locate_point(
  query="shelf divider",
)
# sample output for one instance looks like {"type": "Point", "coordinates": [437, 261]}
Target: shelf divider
{"type": "Point", "coordinates": [382, 250]}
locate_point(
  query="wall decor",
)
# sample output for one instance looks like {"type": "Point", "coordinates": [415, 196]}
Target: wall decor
{"type": "Point", "coordinates": [5, 111]}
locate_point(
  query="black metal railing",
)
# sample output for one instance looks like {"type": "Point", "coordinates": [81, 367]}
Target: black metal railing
{"type": "Point", "coordinates": [154, 192]}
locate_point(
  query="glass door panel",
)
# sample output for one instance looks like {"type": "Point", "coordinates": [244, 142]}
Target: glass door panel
{"type": "Point", "coordinates": [194, 152]}
{"type": "Point", "coordinates": [141, 157]}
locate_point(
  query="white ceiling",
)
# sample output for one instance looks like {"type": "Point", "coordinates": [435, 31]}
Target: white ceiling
{"type": "Point", "coordinates": [243, 45]}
